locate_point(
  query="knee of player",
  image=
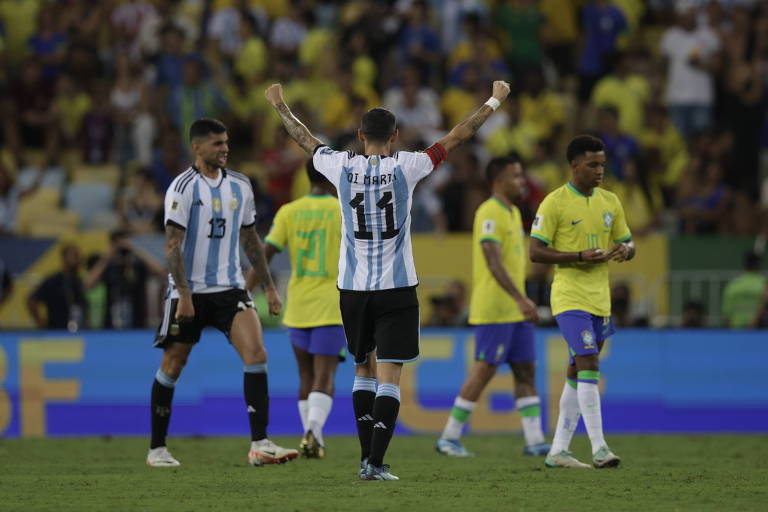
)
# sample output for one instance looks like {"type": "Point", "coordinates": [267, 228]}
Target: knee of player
{"type": "Point", "coordinates": [587, 362]}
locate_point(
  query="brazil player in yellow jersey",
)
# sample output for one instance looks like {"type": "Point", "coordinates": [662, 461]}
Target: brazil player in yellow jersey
{"type": "Point", "coordinates": [580, 227]}
{"type": "Point", "coordinates": [499, 309]}
{"type": "Point", "coordinates": [309, 228]}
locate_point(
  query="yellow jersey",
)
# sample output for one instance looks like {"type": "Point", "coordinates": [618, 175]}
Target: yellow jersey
{"type": "Point", "coordinates": [568, 221]}
{"type": "Point", "coordinates": [490, 303]}
{"type": "Point", "coordinates": [310, 228]}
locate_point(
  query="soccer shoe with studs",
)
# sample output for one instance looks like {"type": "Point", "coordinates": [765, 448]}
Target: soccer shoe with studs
{"type": "Point", "coordinates": [266, 452]}
{"type": "Point", "coordinates": [161, 458]}
{"type": "Point", "coordinates": [452, 448]}
{"type": "Point", "coordinates": [564, 459]}
{"type": "Point", "coordinates": [605, 458]}
{"type": "Point", "coordinates": [537, 449]}
{"type": "Point", "coordinates": [310, 447]}
{"type": "Point", "coordinates": [378, 474]}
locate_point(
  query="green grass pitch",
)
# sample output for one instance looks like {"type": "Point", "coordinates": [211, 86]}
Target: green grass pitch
{"type": "Point", "coordinates": [669, 473]}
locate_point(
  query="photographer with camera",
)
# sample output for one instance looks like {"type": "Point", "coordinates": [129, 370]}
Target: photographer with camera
{"type": "Point", "coordinates": [124, 270]}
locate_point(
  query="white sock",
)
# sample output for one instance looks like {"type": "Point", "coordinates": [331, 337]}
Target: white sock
{"type": "Point", "coordinates": [319, 407]}
{"type": "Point", "coordinates": [529, 408]}
{"type": "Point", "coordinates": [459, 416]}
{"type": "Point", "coordinates": [303, 412]}
{"type": "Point", "coordinates": [589, 403]}
{"type": "Point", "coordinates": [568, 419]}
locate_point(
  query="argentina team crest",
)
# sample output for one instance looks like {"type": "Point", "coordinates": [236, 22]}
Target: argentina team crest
{"type": "Point", "coordinates": [607, 219]}
{"type": "Point", "coordinates": [216, 204]}
{"type": "Point", "coordinates": [233, 204]}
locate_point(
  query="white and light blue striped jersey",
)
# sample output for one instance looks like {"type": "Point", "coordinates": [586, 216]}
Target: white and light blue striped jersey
{"type": "Point", "coordinates": [212, 216]}
{"type": "Point", "coordinates": [375, 194]}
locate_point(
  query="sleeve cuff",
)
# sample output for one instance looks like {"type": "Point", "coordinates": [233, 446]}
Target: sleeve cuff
{"type": "Point", "coordinates": [624, 238]}
{"type": "Point", "coordinates": [317, 148]}
{"type": "Point", "coordinates": [490, 239]}
{"type": "Point", "coordinates": [437, 154]}
{"type": "Point", "coordinates": [248, 225]}
{"type": "Point", "coordinates": [542, 238]}
{"type": "Point", "coordinates": [175, 224]}
{"type": "Point", "coordinates": [273, 243]}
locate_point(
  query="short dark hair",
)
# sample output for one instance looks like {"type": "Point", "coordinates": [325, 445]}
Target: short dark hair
{"type": "Point", "coordinates": [314, 175]}
{"type": "Point", "coordinates": [581, 145]}
{"type": "Point", "coordinates": [204, 127]}
{"type": "Point", "coordinates": [378, 124]}
{"type": "Point", "coordinates": [497, 165]}
{"type": "Point", "coordinates": [751, 260]}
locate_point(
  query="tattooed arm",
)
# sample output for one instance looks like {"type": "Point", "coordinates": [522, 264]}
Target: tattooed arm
{"type": "Point", "coordinates": [466, 129]}
{"type": "Point", "coordinates": [293, 126]}
{"type": "Point", "coordinates": [254, 250]}
{"type": "Point", "coordinates": [174, 237]}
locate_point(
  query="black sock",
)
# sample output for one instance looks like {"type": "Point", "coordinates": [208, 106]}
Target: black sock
{"type": "Point", "coordinates": [385, 410]}
{"type": "Point", "coordinates": [160, 409]}
{"type": "Point", "coordinates": [257, 399]}
{"type": "Point", "coordinates": [362, 401]}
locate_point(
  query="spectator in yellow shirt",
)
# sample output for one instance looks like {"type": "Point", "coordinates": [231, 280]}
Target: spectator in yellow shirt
{"type": "Point", "coordinates": [626, 91]}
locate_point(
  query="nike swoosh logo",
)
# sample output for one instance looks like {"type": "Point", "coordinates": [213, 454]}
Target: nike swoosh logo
{"type": "Point", "coordinates": [269, 452]}
{"type": "Point", "coordinates": [574, 222]}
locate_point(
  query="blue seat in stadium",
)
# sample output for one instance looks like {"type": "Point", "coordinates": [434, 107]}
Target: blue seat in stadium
{"type": "Point", "coordinates": [88, 200]}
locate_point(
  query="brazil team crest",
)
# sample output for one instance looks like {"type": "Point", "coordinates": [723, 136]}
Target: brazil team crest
{"type": "Point", "coordinates": [588, 339]}
{"type": "Point", "coordinates": [607, 219]}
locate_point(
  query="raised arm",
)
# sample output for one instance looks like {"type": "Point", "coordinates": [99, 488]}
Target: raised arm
{"type": "Point", "coordinates": [466, 129]}
{"type": "Point", "coordinates": [254, 250]}
{"type": "Point", "coordinates": [293, 126]}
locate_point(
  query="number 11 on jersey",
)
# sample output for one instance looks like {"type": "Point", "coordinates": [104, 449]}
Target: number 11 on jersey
{"type": "Point", "coordinates": [385, 203]}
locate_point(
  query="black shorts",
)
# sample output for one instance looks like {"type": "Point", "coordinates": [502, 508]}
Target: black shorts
{"type": "Point", "coordinates": [211, 309]}
{"type": "Point", "coordinates": [386, 321]}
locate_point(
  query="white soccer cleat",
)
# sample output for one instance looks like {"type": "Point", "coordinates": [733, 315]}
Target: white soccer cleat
{"type": "Point", "coordinates": [378, 474]}
{"type": "Point", "coordinates": [266, 452]}
{"type": "Point", "coordinates": [161, 458]}
{"type": "Point", "coordinates": [452, 448]}
{"type": "Point", "coordinates": [564, 459]}
{"type": "Point", "coordinates": [605, 458]}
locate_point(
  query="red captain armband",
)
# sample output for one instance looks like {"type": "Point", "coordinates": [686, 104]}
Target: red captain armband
{"type": "Point", "coordinates": [437, 154]}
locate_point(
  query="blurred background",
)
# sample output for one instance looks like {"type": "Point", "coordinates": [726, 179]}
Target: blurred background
{"type": "Point", "coordinates": [97, 98]}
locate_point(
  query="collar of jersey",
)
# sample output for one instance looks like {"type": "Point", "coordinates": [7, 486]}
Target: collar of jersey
{"type": "Point", "coordinates": [576, 191]}
{"type": "Point", "coordinates": [318, 195]}
{"type": "Point", "coordinates": [501, 203]}
{"type": "Point", "coordinates": [223, 175]}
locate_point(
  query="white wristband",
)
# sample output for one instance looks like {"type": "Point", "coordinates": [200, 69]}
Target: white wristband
{"type": "Point", "coordinates": [493, 103]}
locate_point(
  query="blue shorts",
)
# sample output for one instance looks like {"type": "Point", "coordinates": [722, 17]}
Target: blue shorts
{"type": "Point", "coordinates": [505, 343]}
{"type": "Point", "coordinates": [326, 340]}
{"type": "Point", "coordinates": [584, 332]}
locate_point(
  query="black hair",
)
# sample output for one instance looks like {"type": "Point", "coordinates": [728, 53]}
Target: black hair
{"type": "Point", "coordinates": [118, 234]}
{"type": "Point", "coordinates": [581, 145]}
{"type": "Point", "coordinates": [205, 127]}
{"type": "Point", "coordinates": [751, 261]}
{"type": "Point", "coordinates": [378, 124]}
{"type": "Point", "coordinates": [314, 175]}
{"type": "Point", "coordinates": [497, 165]}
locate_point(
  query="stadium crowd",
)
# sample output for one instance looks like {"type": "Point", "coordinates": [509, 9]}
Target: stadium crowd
{"type": "Point", "coordinates": [98, 97]}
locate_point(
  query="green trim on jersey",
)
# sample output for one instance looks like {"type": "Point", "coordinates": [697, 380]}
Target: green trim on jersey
{"type": "Point", "coordinates": [275, 244]}
{"type": "Point", "coordinates": [576, 191]}
{"type": "Point", "coordinates": [542, 238]}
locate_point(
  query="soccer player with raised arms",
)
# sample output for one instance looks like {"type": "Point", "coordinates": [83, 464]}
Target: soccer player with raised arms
{"type": "Point", "coordinates": [209, 215]}
{"type": "Point", "coordinates": [499, 309]}
{"type": "Point", "coordinates": [377, 276]}
{"type": "Point", "coordinates": [580, 227]}
{"type": "Point", "coordinates": [309, 228]}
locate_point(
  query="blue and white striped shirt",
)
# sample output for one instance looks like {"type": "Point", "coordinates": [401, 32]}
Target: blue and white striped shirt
{"type": "Point", "coordinates": [212, 216]}
{"type": "Point", "coordinates": [375, 194]}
